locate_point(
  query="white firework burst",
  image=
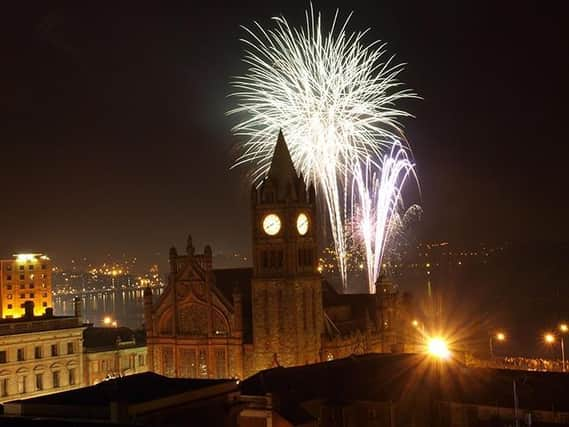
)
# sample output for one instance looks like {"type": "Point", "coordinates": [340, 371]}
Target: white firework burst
{"type": "Point", "coordinates": [333, 96]}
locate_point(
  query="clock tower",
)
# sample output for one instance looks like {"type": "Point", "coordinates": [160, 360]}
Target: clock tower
{"type": "Point", "coordinates": [286, 285]}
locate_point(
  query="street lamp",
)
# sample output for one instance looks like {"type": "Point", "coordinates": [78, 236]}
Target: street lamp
{"type": "Point", "coordinates": [549, 338]}
{"type": "Point", "coordinates": [438, 348]}
{"type": "Point", "coordinates": [500, 336]}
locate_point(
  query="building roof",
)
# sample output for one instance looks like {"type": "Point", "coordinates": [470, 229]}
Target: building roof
{"type": "Point", "coordinates": [98, 338]}
{"type": "Point", "coordinates": [230, 279]}
{"type": "Point", "coordinates": [400, 377]}
{"type": "Point", "coordinates": [22, 325]}
{"type": "Point", "coordinates": [132, 389]}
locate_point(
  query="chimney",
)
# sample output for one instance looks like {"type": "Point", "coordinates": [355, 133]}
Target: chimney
{"type": "Point", "coordinates": [78, 308]}
{"type": "Point", "coordinates": [29, 309]}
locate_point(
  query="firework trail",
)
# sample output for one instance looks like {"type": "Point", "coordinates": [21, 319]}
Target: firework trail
{"type": "Point", "coordinates": [333, 96]}
{"type": "Point", "coordinates": [379, 204]}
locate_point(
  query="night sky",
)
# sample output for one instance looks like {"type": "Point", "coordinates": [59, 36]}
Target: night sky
{"type": "Point", "coordinates": [115, 139]}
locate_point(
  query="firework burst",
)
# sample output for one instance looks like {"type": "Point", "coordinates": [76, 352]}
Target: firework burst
{"type": "Point", "coordinates": [334, 97]}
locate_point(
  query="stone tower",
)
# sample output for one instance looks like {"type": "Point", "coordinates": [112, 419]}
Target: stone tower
{"type": "Point", "coordinates": [286, 286]}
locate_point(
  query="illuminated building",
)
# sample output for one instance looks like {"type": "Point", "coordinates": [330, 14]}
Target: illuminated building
{"type": "Point", "coordinates": [111, 353]}
{"type": "Point", "coordinates": [233, 323]}
{"type": "Point", "coordinates": [26, 277]}
{"type": "Point", "coordinates": [39, 354]}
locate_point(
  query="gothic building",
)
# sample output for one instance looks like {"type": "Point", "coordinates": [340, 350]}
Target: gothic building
{"type": "Point", "coordinates": [233, 323]}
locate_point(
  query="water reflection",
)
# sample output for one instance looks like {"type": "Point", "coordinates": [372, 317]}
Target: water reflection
{"type": "Point", "coordinates": [124, 306]}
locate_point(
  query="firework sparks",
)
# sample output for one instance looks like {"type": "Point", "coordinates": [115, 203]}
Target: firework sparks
{"type": "Point", "coordinates": [378, 204]}
{"type": "Point", "coordinates": [334, 97]}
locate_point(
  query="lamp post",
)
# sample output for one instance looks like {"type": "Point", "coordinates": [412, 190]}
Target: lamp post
{"type": "Point", "coordinates": [500, 336]}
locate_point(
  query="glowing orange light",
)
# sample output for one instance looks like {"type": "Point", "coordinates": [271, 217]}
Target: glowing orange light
{"type": "Point", "coordinates": [549, 338]}
{"type": "Point", "coordinates": [438, 348]}
{"type": "Point", "coordinates": [563, 327]}
{"type": "Point", "coordinates": [500, 336]}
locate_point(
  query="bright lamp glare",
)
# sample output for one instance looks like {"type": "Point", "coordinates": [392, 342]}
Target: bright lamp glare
{"type": "Point", "coordinates": [438, 347]}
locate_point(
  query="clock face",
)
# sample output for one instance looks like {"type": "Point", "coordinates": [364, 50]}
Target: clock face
{"type": "Point", "coordinates": [302, 224]}
{"type": "Point", "coordinates": [271, 224]}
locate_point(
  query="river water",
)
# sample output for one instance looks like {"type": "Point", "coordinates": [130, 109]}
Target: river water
{"type": "Point", "coordinates": [125, 306]}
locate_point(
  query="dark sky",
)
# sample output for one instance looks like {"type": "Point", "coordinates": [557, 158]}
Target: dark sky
{"type": "Point", "coordinates": [115, 140]}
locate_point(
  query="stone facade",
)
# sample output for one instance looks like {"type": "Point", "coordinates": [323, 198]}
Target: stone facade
{"type": "Point", "coordinates": [286, 286]}
{"type": "Point", "coordinates": [233, 323]}
{"type": "Point", "coordinates": [40, 356]}
{"type": "Point", "coordinates": [193, 331]}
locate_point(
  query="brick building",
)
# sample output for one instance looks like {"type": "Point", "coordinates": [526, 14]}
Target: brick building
{"type": "Point", "coordinates": [233, 323]}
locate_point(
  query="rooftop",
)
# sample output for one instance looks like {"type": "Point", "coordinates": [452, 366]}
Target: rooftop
{"type": "Point", "coordinates": [100, 338]}
{"type": "Point", "coordinates": [399, 377]}
{"type": "Point", "coordinates": [131, 389]}
{"type": "Point", "coordinates": [46, 322]}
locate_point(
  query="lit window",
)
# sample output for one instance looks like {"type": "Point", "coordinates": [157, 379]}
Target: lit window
{"type": "Point", "coordinates": [55, 379]}
{"type": "Point", "coordinates": [31, 267]}
{"type": "Point", "coordinates": [22, 384]}
{"type": "Point", "coordinates": [9, 287]}
{"type": "Point", "coordinates": [9, 306]}
{"type": "Point", "coordinates": [39, 381]}
{"type": "Point", "coordinates": [21, 267]}
{"type": "Point", "coordinates": [10, 296]}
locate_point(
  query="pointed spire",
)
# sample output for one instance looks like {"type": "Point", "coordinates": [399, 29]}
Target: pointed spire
{"type": "Point", "coordinates": [281, 165]}
{"type": "Point", "coordinates": [282, 172]}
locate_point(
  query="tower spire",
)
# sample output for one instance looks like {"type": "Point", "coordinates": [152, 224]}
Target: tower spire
{"type": "Point", "coordinates": [281, 164]}
{"type": "Point", "coordinates": [282, 172]}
